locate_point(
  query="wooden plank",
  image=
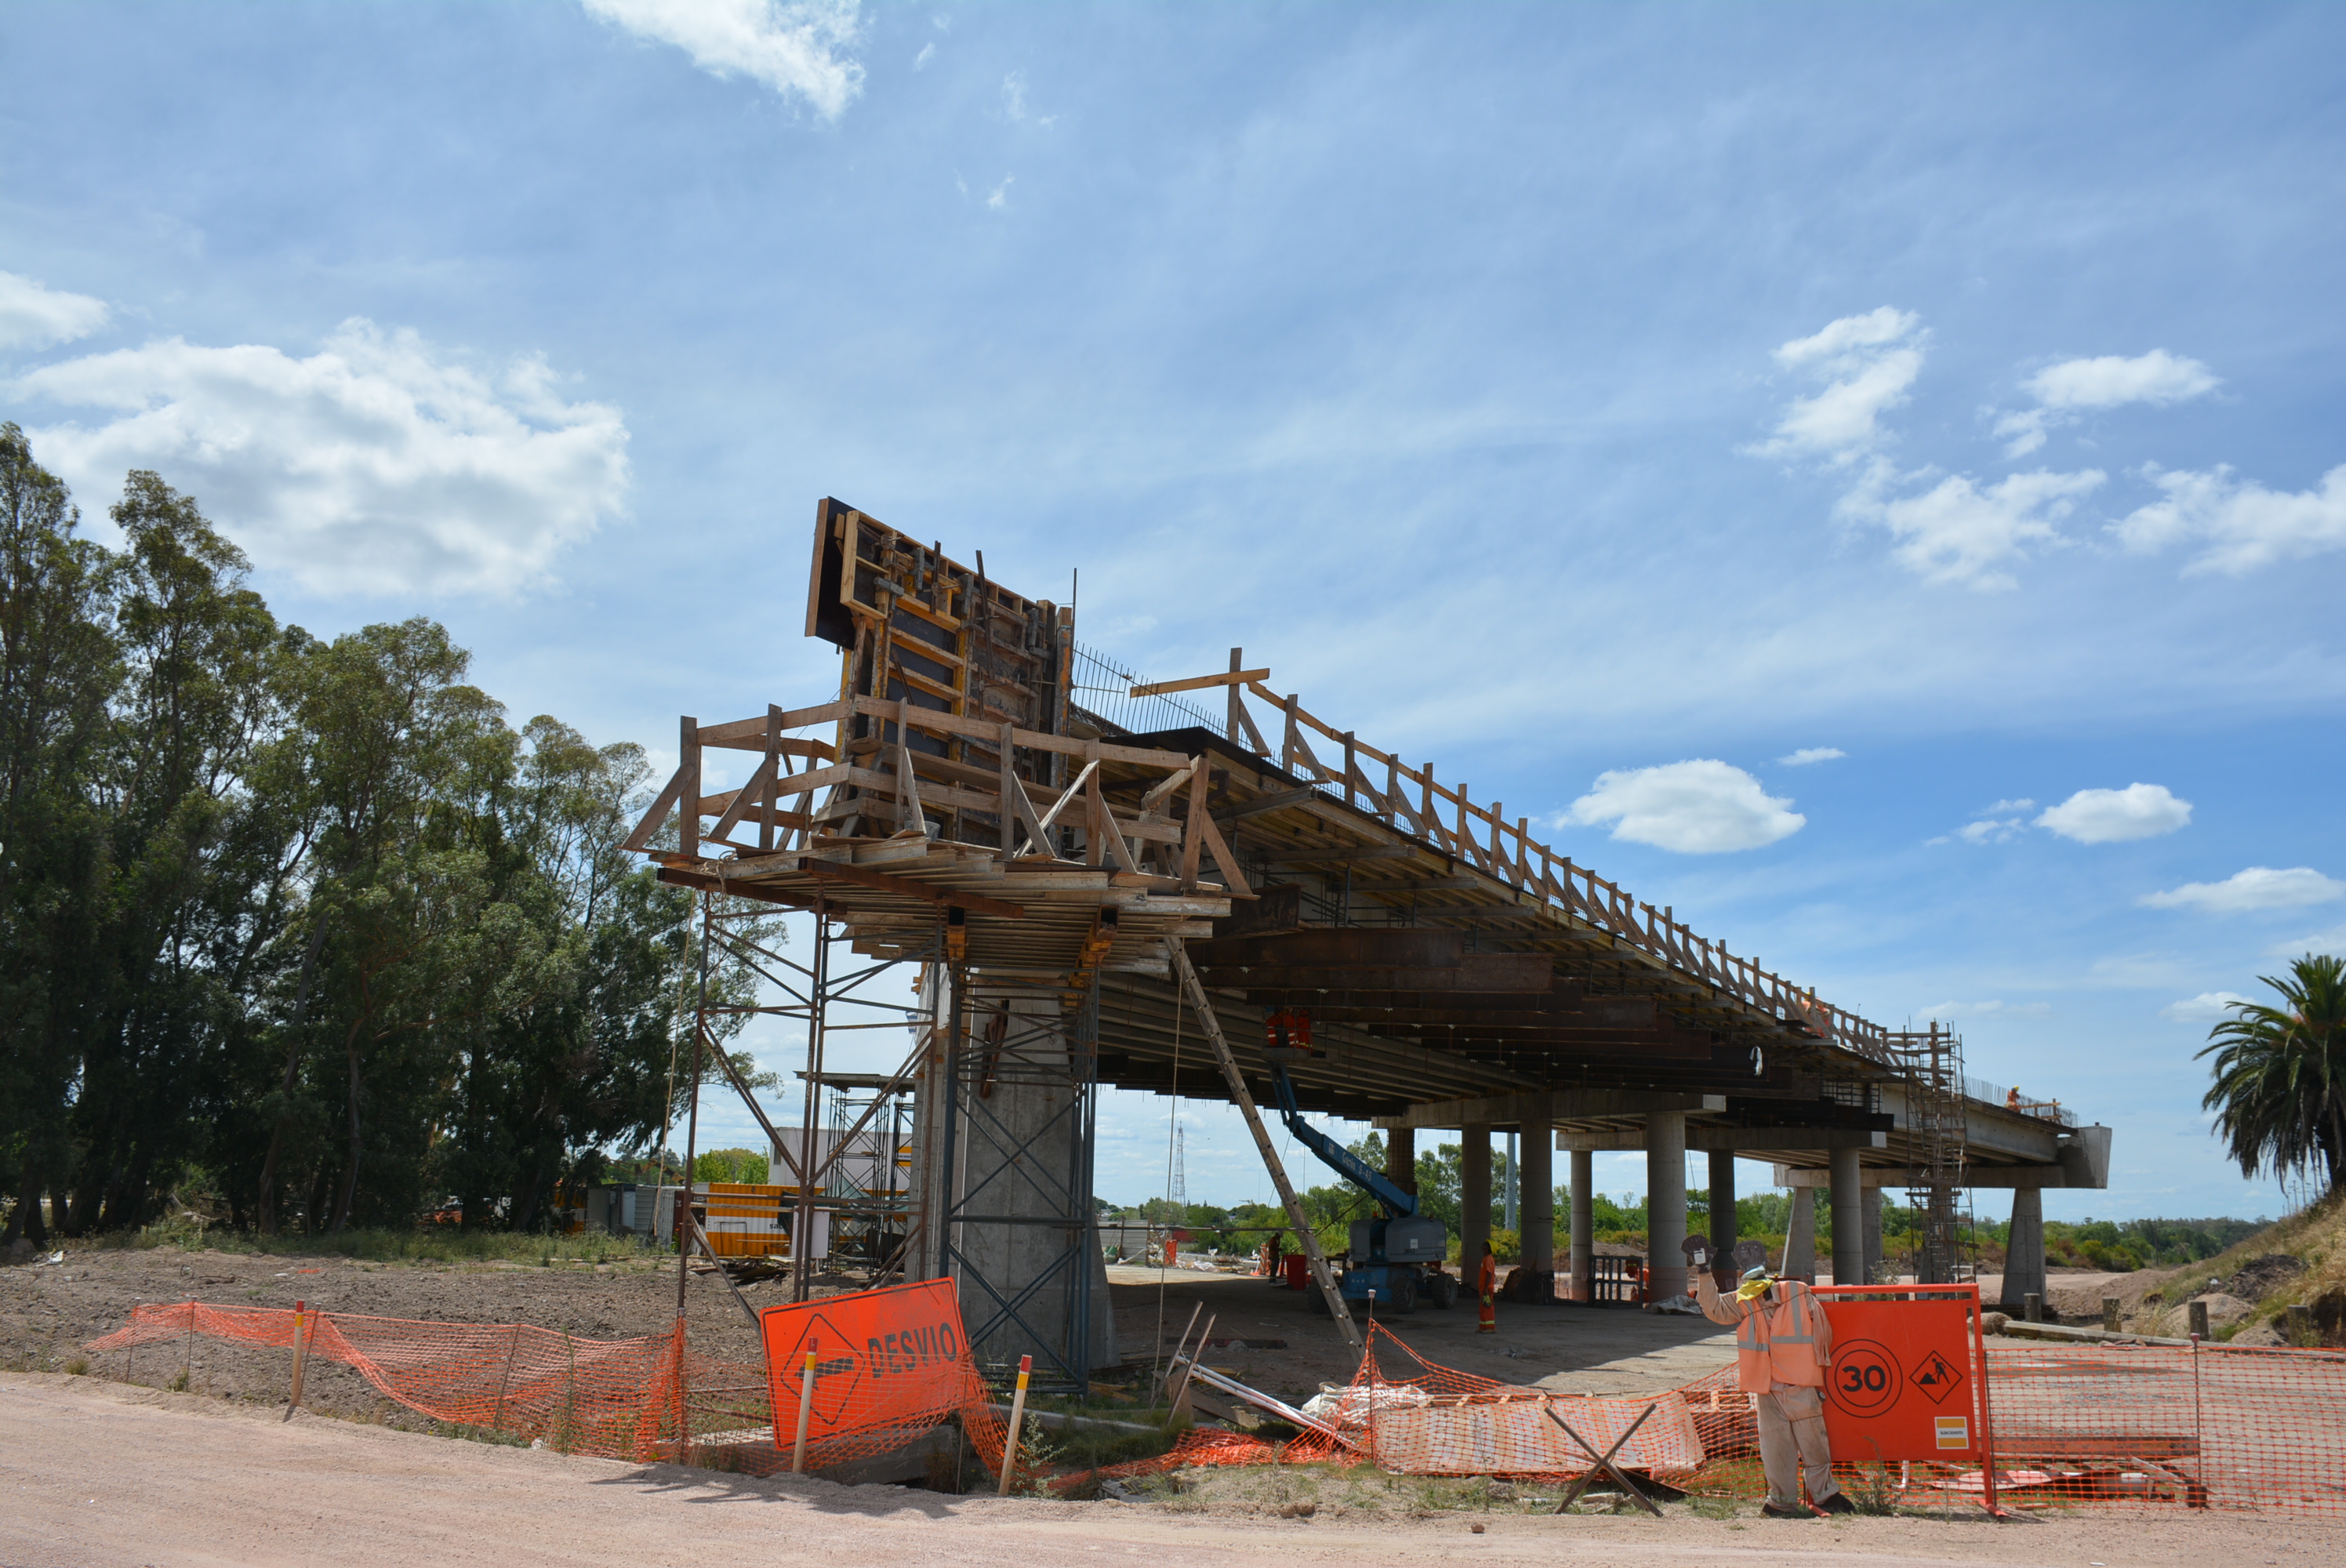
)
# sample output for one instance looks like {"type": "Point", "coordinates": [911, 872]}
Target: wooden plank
{"type": "Point", "coordinates": [1198, 683]}
{"type": "Point", "coordinates": [688, 750]}
{"type": "Point", "coordinates": [1006, 757]}
{"type": "Point", "coordinates": [652, 819]}
{"type": "Point", "coordinates": [701, 881]}
{"type": "Point", "coordinates": [1262, 804]}
{"type": "Point", "coordinates": [909, 810]}
{"type": "Point", "coordinates": [1070, 793]}
{"type": "Point", "coordinates": [943, 723]}
{"type": "Point", "coordinates": [1232, 877]}
{"type": "Point", "coordinates": [750, 794]}
{"type": "Point", "coordinates": [1164, 786]}
{"type": "Point", "coordinates": [1193, 845]}
{"type": "Point", "coordinates": [905, 887]}
{"type": "Point", "coordinates": [750, 734]}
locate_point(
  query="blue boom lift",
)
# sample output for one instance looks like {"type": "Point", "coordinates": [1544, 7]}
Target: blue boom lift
{"type": "Point", "coordinates": [1397, 1253]}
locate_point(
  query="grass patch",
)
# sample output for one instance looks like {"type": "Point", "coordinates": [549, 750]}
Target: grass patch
{"type": "Point", "coordinates": [424, 1244]}
{"type": "Point", "coordinates": [77, 1368]}
{"type": "Point", "coordinates": [1871, 1492]}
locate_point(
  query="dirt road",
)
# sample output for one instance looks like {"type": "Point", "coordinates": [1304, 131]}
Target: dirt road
{"type": "Point", "coordinates": [98, 1474]}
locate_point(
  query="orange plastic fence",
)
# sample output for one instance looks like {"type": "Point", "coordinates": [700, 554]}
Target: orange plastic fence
{"type": "Point", "coordinates": [621, 1399]}
{"type": "Point", "coordinates": [2145, 1425]}
{"type": "Point", "coordinates": [2106, 1426]}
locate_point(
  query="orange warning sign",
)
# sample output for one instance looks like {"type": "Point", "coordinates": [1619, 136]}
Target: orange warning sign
{"type": "Point", "coordinates": [1904, 1382]}
{"type": "Point", "coordinates": [888, 1359]}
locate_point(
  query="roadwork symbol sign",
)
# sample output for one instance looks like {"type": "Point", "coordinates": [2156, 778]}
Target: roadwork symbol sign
{"type": "Point", "coordinates": [1938, 1377]}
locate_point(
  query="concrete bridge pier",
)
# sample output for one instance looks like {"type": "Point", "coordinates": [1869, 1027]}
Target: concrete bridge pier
{"type": "Point", "coordinates": [2024, 1263]}
{"type": "Point", "coordinates": [1800, 1260]}
{"type": "Point", "coordinates": [1536, 1204]}
{"type": "Point", "coordinates": [1848, 1223]}
{"type": "Point", "coordinates": [1473, 1197]}
{"type": "Point", "coordinates": [1722, 1205]}
{"type": "Point", "coordinates": [1584, 1226]}
{"type": "Point", "coordinates": [1666, 1223]}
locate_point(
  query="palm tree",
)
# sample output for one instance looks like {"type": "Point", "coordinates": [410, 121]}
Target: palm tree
{"type": "Point", "coordinates": [2279, 1094]}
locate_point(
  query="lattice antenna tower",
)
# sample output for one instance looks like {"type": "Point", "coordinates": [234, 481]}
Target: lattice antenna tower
{"type": "Point", "coordinates": [1180, 1175]}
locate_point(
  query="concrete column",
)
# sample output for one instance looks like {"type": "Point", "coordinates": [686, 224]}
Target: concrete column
{"type": "Point", "coordinates": [1666, 1202]}
{"type": "Point", "coordinates": [1401, 1158]}
{"type": "Point", "coordinates": [1848, 1223]}
{"type": "Point", "coordinates": [1536, 1201]}
{"type": "Point", "coordinates": [1873, 1255]}
{"type": "Point", "coordinates": [1583, 1225]}
{"type": "Point", "coordinates": [1801, 1236]}
{"type": "Point", "coordinates": [1722, 1204]}
{"type": "Point", "coordinates": [2024, 1252]}
{"type": "Point", "coordinates": [1473, 1195]}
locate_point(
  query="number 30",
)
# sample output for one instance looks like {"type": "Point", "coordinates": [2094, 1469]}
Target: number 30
{"type": "Point", "coordinates": [1869, 1378]}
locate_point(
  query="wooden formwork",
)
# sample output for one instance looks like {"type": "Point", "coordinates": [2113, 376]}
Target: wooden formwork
{"type": "Point", "coordinates": [953, 798]}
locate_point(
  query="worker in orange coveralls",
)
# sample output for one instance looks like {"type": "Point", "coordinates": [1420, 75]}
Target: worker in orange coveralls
{"type": "Point", "coordinates": [1486, 1286]}
{"type": "Point", "coordinates": [1782, 1347]}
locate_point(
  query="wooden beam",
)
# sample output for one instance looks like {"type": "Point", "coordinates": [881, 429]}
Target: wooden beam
{"type": "Point", "coordinates": [1548, 1107]}
{"type": "Point", "coordinates": [701, 881]}
{"type": "Point", "coordinates": [833, 871]}
{"type": "Point", "coordinates": [1200, 682]}
{"type": "Point", "coordinates": [1257, 806]}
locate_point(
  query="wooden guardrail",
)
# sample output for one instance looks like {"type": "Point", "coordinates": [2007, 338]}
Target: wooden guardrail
{"type": "Point", "coordinates": [1411, 800]}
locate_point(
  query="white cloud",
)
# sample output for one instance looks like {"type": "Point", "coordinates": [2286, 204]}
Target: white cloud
{"type": "Point", "coordinates": [1698, 808]}
{"type": "Point", "coordinates": [2242, 524]}
{"type": "Point", "coordinates": [999, 198]}
{"type": "Point", "coordinates": [801, 47]}
{"type": "Point", "coordinates": [372, 465]}
{"type": "Point", "coordinates": [1958, 532]}
{"type": "Point", "coordinates": [2113, 816]}
{"type": "Point", "coordinates": [2258, 888]}
{"type": "Point", "coordinates": [1949, 1012]}
{"type": "Point", "coordinates": [33, 317]}
{"type": "Point", "coordinates": [928, 52]}
{"type": "Point", "coordinates": [1810, 754]}
{"type": "Point", "coordinates": [1990, 829]}
{"type": "Point", "coordinates": [2111, 380]}
{"type": "Point", "coordinates": [1872, 359]}
{"type": "Point", "coordinates": [2157, 378]}
{"type": "Point", "coordinates": [2207, 1007]}
{"type": "Point", "coordinates": [1013, 95]}
{"type": "Point", "coordinates": [2332, 941]}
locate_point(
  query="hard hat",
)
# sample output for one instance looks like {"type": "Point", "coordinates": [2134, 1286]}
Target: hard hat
{"type": "Point", "coordinates": [1760, 1273]}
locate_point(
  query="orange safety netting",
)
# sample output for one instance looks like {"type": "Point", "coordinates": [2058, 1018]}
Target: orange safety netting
{"type": "Point", "coordinates": [2210, 1426]}
{"type": "Point", "coordinates": [620, 1399]}
{"type": "Point", "coordinates": [1411, 1416]}
{"type": "Point", "coordinates": [2099, 1426]}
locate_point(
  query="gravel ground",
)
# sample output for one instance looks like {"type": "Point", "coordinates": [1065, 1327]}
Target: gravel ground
{"type": "Point", "coordinates": [100, 1475]}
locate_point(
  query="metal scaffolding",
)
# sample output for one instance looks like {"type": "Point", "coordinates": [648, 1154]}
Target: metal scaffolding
{"type": "Point", "coordinates": [1932, 1064]}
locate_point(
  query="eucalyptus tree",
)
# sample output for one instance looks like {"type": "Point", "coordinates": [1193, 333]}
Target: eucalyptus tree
{"type": "Point", "coordinates": [58, 667]}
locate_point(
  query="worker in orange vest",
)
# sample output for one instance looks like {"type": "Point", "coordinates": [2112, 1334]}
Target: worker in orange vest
{"type": "Point", "coordinates": [1782, 1346]}
{"type": "Point", "coordinates": [1486, 1286]}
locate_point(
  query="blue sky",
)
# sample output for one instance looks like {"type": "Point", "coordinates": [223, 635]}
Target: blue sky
{"type": "Point", "coordinates": [1565, 394]}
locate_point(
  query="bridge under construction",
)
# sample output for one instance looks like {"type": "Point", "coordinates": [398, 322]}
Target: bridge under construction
{"type": "Point", "coordinates": [1106, 881]}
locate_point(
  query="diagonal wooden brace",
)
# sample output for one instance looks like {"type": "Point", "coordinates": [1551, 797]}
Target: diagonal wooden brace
{"type": "Point", "coordinates": [1603, 1462]}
